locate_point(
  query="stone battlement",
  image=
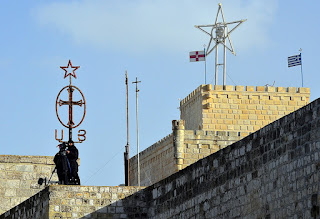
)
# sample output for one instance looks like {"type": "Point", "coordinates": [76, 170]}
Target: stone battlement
{"type": "Point", "coordinates": [240, 88]}
{"type": "Point", "coordinates": [239, 108]}
{"type": "Point", "coordinates": [272, 173]}
{"type": "Point", "coordinates": [153, 147]}
{"type": "Point", "coordinates": [177, 151]}
{"type": "Point", "coordinates": [26, 159]}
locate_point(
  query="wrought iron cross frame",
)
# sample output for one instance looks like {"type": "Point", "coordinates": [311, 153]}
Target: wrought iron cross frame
{"type": "Point", "coordinates": [71, 88]}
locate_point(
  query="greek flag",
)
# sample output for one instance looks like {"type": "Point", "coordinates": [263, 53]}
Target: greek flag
{"type": "Point", "coordinates": [294, 60]}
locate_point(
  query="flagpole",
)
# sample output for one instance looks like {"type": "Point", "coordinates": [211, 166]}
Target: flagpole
{"type": "Point", "coordinates": [205, 66]}
{"type": "Point", "coordinates": [301, 70]}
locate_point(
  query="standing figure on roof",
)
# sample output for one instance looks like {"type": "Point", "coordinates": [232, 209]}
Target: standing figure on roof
{"type": "Point", "coordinates": [62, 164]}
{"type": "Point", "coordinates": [73, 155]}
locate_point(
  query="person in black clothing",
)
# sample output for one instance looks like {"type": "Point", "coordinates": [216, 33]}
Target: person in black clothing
{"type": "Point", "coordinates": [62, 164]}
{"type": "Point", "coordinates": [73, 155]}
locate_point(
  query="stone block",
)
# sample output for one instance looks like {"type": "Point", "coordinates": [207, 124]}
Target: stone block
{"type": "Point", "coordinates": [281, 89]}
{"type": "Point", "coordinates": [10, 193]}
{"type": "Point", "coordinates": [239, 88]}
{"type": "Point", "coordinates": [208, 106]}
{"type": "Point", "coordinates": [271, 89]}
{"type": "Point", "coordinates": [303, 90]}
{"type": "Point", "coordinates": [208, 96]}
{"type": "Point", "coordinates": [24, 168]}
{"type": "Point", "coordinates": [261, 88]}
{"type": "Point", "coordinates": [228, 87]}
{"type": "Point", "coordinates": [207, 87]}
{"type": "Point", "coordinates": [218, 87]}
{"type": "Point", "coordinates": [292, 90]}
{"type": "Point", "coordinates": [250, 88]}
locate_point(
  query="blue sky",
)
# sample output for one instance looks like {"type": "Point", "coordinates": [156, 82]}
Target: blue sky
{"type": "Point", "coordinates": [149, 39]}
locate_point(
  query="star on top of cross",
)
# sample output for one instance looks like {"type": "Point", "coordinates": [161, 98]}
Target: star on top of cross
{"type": "Point", "coordinates": [70, 70]}
{"type": "Point", "coordinates": [221, 32]}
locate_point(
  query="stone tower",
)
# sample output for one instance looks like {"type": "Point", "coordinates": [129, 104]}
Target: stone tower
{"type": "Point", "coordinates": [211, 118]}
{"type": "Point", "coordinates": [239, 108]}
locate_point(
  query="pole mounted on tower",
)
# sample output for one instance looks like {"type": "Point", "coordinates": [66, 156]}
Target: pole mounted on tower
{"type": "Point", "coordinates": [126, 153]}
{"type": "Point", "coordinates": [138, 159]}
{"type": "Point", "coordinates": [219, 35]}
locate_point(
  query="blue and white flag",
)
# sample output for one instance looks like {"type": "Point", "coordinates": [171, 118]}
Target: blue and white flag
{"type": "Point", "coordinates": [294, 60]}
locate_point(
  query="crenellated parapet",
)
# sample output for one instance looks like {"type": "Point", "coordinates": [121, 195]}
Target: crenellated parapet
{"type": "Point", "coordinates": [239, 108]}
{"type": "Point", "coordinates": [177, 151]}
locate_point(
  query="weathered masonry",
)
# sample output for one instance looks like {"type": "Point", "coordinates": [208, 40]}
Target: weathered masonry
{"type": "Point", "coordinates": [272, 173]}
{"type": "Point", "coordinates": [239, 108]}
{"type": "Point", "coordinates": [19, 178]}
{"type": "Point", "coordinates": [177, 151]}
{"type": "Point", "coordinates": [60, 201]}
{"type": "Point", "coordinates": [213, 117]}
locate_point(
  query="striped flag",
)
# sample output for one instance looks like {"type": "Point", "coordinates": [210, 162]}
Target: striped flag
{"type": "Point", "coordinates": [196, 56]}
{"type": "Point", "coordinates": [294, 60]}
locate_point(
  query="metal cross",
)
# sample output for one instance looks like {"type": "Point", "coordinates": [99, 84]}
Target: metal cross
{"type": "Point", "coordinates": [70, 103]}
{"type": "Point", "coordinates": [218, 34]}
{"type": "Point", "coordinates": [70, 71]}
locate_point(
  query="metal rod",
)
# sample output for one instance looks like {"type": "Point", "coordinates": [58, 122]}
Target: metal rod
{"type": "Point", "coordinates": [137, 119]}
{"type": "Point", "coordinates": [301, 70]}
{"type": "Point", "coordinates": [224, 63]}
{"type": "Point", "coordinates": [217, 37]}
{"type": "Point", "coordinates": [126, 153]}
{"type": "Point", "coordinates": [216, 71]}
{"type": "Point", "coordinates": [70, 111]}
{"type": "Point", "coordinates": [205, 66]}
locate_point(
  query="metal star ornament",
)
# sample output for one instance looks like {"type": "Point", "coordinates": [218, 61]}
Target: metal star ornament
{"type": "Point", "coordinates": [220, 32]}
{"type": "Point", "coordinates": [70, 70]}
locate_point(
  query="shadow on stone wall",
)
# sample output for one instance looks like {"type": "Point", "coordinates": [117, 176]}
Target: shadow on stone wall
{"type": "Point", "coordinates": [272, 173]}
{"type": "Point", "coordinates": [133, 206]}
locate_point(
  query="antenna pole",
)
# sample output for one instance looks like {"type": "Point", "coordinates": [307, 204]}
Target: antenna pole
{"type": "Point", "coordinates": [126, 153]}
{"type": "Point", "coordinates": [205, 65]}
{"type": "Point", "coordinates": [224, 61]}
{"type": "Point", "coordinates": [138, 159]}
{"type": "Point", "coordinates": [216, 71]}
{"type": "Point", "coordinates": [301, 68]}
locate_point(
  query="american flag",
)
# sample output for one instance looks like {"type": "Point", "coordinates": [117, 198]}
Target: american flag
{"type": "Point", "coordinates": [294, 60]}
{"type": "Point", "coordinates": [196, 56]}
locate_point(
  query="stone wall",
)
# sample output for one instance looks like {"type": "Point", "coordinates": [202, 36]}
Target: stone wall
{"type": "Point", "coordinates": [272, 173]}
{"type": "Point", "coordinates": [19, 178]}
{"type": "Point", "coordinates": [60, 201]}
{"type": "Point", "coordinates": [191, 108]}
{"type": "Point", "coordinates": [241, 109]}
{"type": "Point", "coordinates": [35, 207]}
{"type": "Point", "coordinates": [177, 151]}
{"type": "Point", "coordinates": [199, 144]}
{"type": "Point", "coordinates": [211, 119]}
{"type": "Point", "coordinates": [156, 162]}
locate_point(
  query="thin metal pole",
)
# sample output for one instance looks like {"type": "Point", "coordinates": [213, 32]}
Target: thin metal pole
{"type": "Point", "coordinates": [137, 118]}
{"type": "Point", "coordinates": [205, 67]}
{"type": "Point", "coordinates": [126, 153]}
{"type": "Point", "coordinates": [224, 61]}
{"type": "Point", "coordinates": [216, 73]}
{"type": "Point", "coordinates": [301, 70]}
{"type": "Point", "coordinates": [70, 111]}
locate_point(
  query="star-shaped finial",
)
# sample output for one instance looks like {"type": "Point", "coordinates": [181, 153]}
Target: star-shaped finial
{"type": "Point", "coordinates": [70, 70]}
{"type": "Point", "coordinates": [220, 32]}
